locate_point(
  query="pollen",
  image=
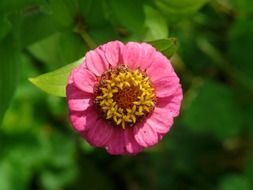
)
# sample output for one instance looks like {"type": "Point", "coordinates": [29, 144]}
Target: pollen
{"type": "Point", "coordinates": [124, 97]}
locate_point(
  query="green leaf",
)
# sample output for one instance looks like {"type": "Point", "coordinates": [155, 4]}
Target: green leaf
{"type": "Point", "coordinates": [58, 179]}
{"type": "Point", "coordinates": [8, 6]}
{"type": "Point", "coordinates": [234, 182]}
{"type": "Point", "coordinates": [156, 24]}
{"type": "Point", "coordinates": [240, 48]}
{"type": "Point", "coordinates": [166, 46]}
{"type": "Point", "coordinates": [248, 166]}
{"type": "Point", "coordinates": [212, 107]}
{"type": "Point", "coordinates": [128, 14]}
{"type": "Point", "coordinates": [58, 49]}
{"type": "Point", "coordinates": [93, 13]}
{"type": "Point", "coordinates": [175, 10]}
{"type": "Point", "coordinates": [71, 47]}
{"type": "Point", "coordinates": [47, 50]}
{"type": "Point", "coordinates": [10, 178]}
{"type": "Point", "coordinates": [29, 27]}
{"type": "Point", "coordinates": [55, 82]}
{"type": "Point", "coordinates": [9, 73]}
{"type": "Point", "coordinates": [103, 34]}
{"type": "Point", "coordinates": [63, 168]}
{"type": "Point", "coordinates": [91, 175]}
{"type": "Point", "coordinates": [5, 27]}
{"type": "Point", "coordinates": [243, 7]}
{"type": "Point", "coordinates": [63, 11]}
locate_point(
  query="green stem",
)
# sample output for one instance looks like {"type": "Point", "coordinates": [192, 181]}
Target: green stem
{"type": "Point", "coordinates": [85, 36]}
{"type": "Point", "coordinates": [88, 40]}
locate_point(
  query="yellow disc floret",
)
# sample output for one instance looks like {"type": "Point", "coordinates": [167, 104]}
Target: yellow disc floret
{"type": "Point", "coordinates": [123, 96]}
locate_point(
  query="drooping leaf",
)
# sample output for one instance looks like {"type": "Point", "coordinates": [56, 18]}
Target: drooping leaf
{"type": "Point", "coordinates": [9, 73]}
{"type": "Point", "coordinates": [167, 46]}
{"type": "Point", "coordinates": [55, 82]}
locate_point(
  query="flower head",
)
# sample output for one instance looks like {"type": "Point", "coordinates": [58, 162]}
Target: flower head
{"type": "Point", "coordinates": [123, 97]}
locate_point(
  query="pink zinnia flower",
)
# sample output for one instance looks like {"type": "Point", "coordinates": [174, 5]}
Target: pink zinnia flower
{"type": "Point", "coordinates": [123, 97]}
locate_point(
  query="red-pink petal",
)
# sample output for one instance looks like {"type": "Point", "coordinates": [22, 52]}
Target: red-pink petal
{"type": "Point", "coordinates": [166, 86]}
{"type": "Point", "coordinates": [137, 55]}
{"type": "Point", "coordinates": [116, 145]}
{"type": "Point", "coordinates": [82, 121]}
{"type": "Point", "coordinates": [160, 68]}
{"type": "Point", "coordinates": [146, 56]}
{"type": "Point", "coordinates": [112, 52]}
{"type": "Point", "coordinates": [99, 134]}
{"type": "Point", "coordinates": [160, 120]}
{"type": "Point", "coordinates": [78, 120]}
{"type": "Point", "coordinates": [83, 64]}
{"type": "Point", "coordinates": [145, 135]}
{"type": "Point", "coordinates": [84, 79]}
{"type": "Point", "coordinates": [95, 62]}
{"type": "Point", "coordinates": [172, 103]}
{"type": "Point", "coordinates": [132, 146]}
{"type": "Point", "coordinates": [77, 100]}
{"type": "Point", "coordinates": [131, 55]}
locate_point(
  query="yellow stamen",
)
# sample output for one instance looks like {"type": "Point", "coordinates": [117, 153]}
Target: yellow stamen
{"type": "Point", "coordinates": [125, 97]}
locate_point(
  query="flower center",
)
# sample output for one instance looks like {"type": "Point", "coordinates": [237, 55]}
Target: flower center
{"type": "Point", "coordinates": [123, 97]}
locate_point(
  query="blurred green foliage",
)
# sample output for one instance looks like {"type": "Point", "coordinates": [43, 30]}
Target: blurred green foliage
{"type": "Point", "coordinates": [210, 145]}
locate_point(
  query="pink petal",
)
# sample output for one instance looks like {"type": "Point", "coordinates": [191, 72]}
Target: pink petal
{"type": "Point", "coordinates": [95, 62]}
{"type": "Point", "coordinates": [84, 79]}
{"type": "Point", "coordinates": [137, 55]}
{"type": "Point", "coordinates": [131, 54]}
{"type": "Point", "coordinates": [160, 68]}
{"type": "Point", "coordinates": [99, 134]}
{"type": "Point", "coordinates": [145, 135]}
{"type": "Point", "coordinates": [116, 145]}
{"type": "Point", "coordinates": [77, 100]}
{"type": "Point", "coordinates": [112, 52]}
{"type": "Point", "coordinates": [81, 121]}
{"type": "Point", "coordinates": [173, 102]}
{"type": "Point", "coordinates": [132, 146]}
{"type": "Point", "coordinates": [78, 120]}
{"type": "Point", "coordinates": [146, 56]}
{"type": "Point", "coordinates": [83, 64]}
{"type": "Point", "coordinates": [166, 87]}
{"type": "Point", "coordinates": [161, 120]}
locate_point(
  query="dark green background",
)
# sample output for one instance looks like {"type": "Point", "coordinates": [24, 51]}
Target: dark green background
{"type": "Point", "coordinates": [210, 145]}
